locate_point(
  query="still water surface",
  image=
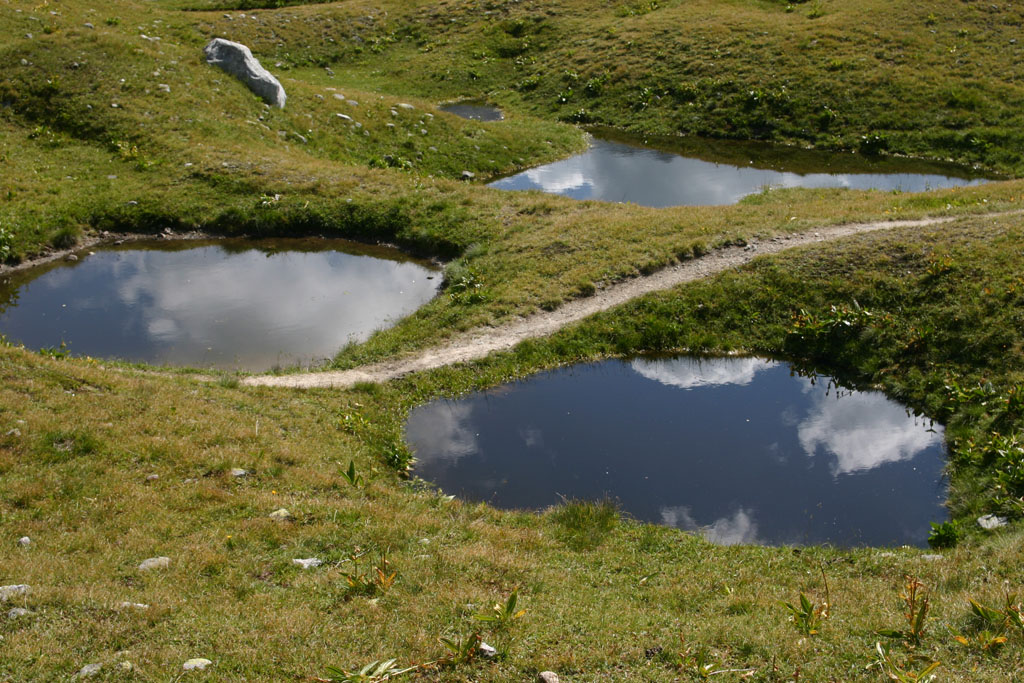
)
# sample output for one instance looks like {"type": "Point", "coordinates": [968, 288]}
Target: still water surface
{"type": "Point", "coordinates": [617, 171]}
{"type": "Point", "coordinates": [738, 449]}
{"type": "Point", "coordinates": [474, 110]}
{"type": "Point", "coordinates": [231, 304]}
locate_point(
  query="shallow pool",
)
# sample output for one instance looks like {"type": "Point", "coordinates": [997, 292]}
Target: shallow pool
{"type": "Point", "coordinates": [230, 304]}
{"type": "Point", "coordinates": [672, 175]}
{"type": "Point", "coordinates": [740, 450]}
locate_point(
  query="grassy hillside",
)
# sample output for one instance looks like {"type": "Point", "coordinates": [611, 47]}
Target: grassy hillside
{"type": "Point", "coordinates": [110, 121]}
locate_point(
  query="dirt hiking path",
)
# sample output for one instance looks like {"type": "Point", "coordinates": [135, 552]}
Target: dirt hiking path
{"type": "Point", "coordinates": [480, 343]}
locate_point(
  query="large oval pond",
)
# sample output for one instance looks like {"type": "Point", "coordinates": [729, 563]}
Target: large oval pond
{"type": "Point", "coordinates": [694, 172]}
{"type": "Point", "coordinates": [740, 449]}
{"type": "Point", "coordinates": [229, 304]}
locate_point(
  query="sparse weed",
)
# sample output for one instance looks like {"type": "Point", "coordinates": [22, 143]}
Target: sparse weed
{"type": "Point", "coordinates": [916, 670]}
{"type": "Point", "coordinates": [502, 615]}
{"type": "Point", "coordinates": [374, 672]}
{"type": "Point", "coordinates": [378, 578]}
{"type": "Point", "coordinates": [351, 476]}
{"type": "Point", "coordinates": [916, 604]}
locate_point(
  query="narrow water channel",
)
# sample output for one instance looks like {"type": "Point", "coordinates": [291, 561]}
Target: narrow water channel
{"type": "Point", "coordinates": [740, 450]}
{"type": "Point", "coordinates": [229, 304]}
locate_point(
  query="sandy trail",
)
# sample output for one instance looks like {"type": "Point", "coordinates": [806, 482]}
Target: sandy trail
{"type": "Point", "coordinates": [480, 343]}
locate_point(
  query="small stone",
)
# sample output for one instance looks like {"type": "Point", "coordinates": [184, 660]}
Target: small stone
{"type": "Point", "coordinates": [394, 113]}
{"type": "Point", "coordinates": [155, 563]}
{"type": "Point", "coordinates": [338, 96]}
{"type": "Point", "coordinates": [88, 25]}
{"type": "Point", "coordinates": [13, 432]}
{"type": "Point", "coordinates": [190, 480]}
{"type": "Point", "coordinates": [390, 125]}
{"type": "Point", "coordinates": [238, 472]}
{"type": "Point", "coordinates": [990, 522]}
{"type": "Point", "coordinates": [432, 148]}
{"type": "Point", "coordinates": [403, 105]}
{"type": "Point", "coordinates": [344, 117]}
{"type": "Point", "coordinates": [152, 477]}
{"type": "Point", "coordinates": [115, 105]}
{"type": "Point", "coordinates": [281, 515]}
{"type": "Point", "coordinates": [468, 175]}
{"type": "Point", "coordinates": [71, 257]}
{"type": "Point", "coordinates": [18, 612]}
{"type": "Point", "coordinates": [357, 125]}
{"type": "Point", "coordinates": [132, 605]}
{"type": "Point", "coordinates": [24, 541]}
{"type": "Point", "coordinates": [547, 677]}
{"type": "Point", "coordinates": [197, 664]}
{"type": "Point", "coordinates": [163, 87]}
{"type": "Point", "coordinates": [88, 670]}
{"type": "Point", "coordinates": [352, 103]}
{"type": "Point", "coordinates": [8, 592]}
{"type": "Point", "coordinates": [423, 131]}
{"type": "Point", "coordinates": [126, 666]}
{"type": "Point", "coordinates": [308, 563]}
{"type": "Point", "coordinates": [487, 651]}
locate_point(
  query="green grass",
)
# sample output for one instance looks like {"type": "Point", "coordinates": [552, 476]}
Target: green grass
{"type": "Point", "coordinates": [931, 316]}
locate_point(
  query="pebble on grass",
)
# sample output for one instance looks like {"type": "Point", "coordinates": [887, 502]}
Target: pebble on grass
{"type": "Point", "coordinates": [197, 664]}
{"type": "Point", "coordinates": [281, 515]}
{"type": "Point", "coordinates": [155, 563]}
{"type": "Point", "coordinates": [8, 592]}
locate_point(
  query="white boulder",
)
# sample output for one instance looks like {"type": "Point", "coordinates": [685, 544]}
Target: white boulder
{"type": "Point", "coordinates": [237, 60]}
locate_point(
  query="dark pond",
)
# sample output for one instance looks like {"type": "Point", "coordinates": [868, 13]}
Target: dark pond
{"type": "Point", "coordinates": [739, 449]}
{"type": "Point", "coordinates": [695, 172]}
{"type": "Point", "coordinates": [477, 111]}
{"type": "Point", "coordinates": [231, 304]}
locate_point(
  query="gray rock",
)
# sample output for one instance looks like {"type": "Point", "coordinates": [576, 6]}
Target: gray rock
{"type": "Point", "coordinates": [238, 472]}
{"type": "Point", "coordinates": [8, 592]}
{"type": "Point", "coordinates": [339, 96]}
{"type": "Point", "coordinates": [126, 666]}
{"type": "Point", "coordinates": [352, 103]}
{"type": "Point", "coordinates": [71, 257]}
{"type": "Point", "coordinates": [163, 87]}
{"type": "Point", "coordinates": [88, 670]}
{"type": "Point", "coordinates": [547, 677]}
{"type": "Point", "coordinates": [14, 432]}
{"type": "Point", "coordinates": [468, 175]}
{"type": "Point", "coordinates": [487, 651]}
{"type": "Point", "coordinates": [403, 105]}
{"type": "Point", "coordinates": [344, 117]}
{"type": "Point", "coordinates": [281, 515]}
{"type": "Point", "coordinates": [155, 563]}
{"type": "Point", "coordinates": [237, 60]}
{"type": "Point", "coordinates": [24, 541]}
{"type": "Point", "coordinates": [197, 664]}
{"type": "Point", "coordinates": [308, 563]}
{"type": "Point", "coordinates": [990, 522]}
{"type": "Point", "coordinates": [18, 612]}
{"type": "Point", "coordinates": [88, 25]}
{"type": "Point", "coordinates": [132, 605]}
{"type": "Point", "coordinates": [152, 477]}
